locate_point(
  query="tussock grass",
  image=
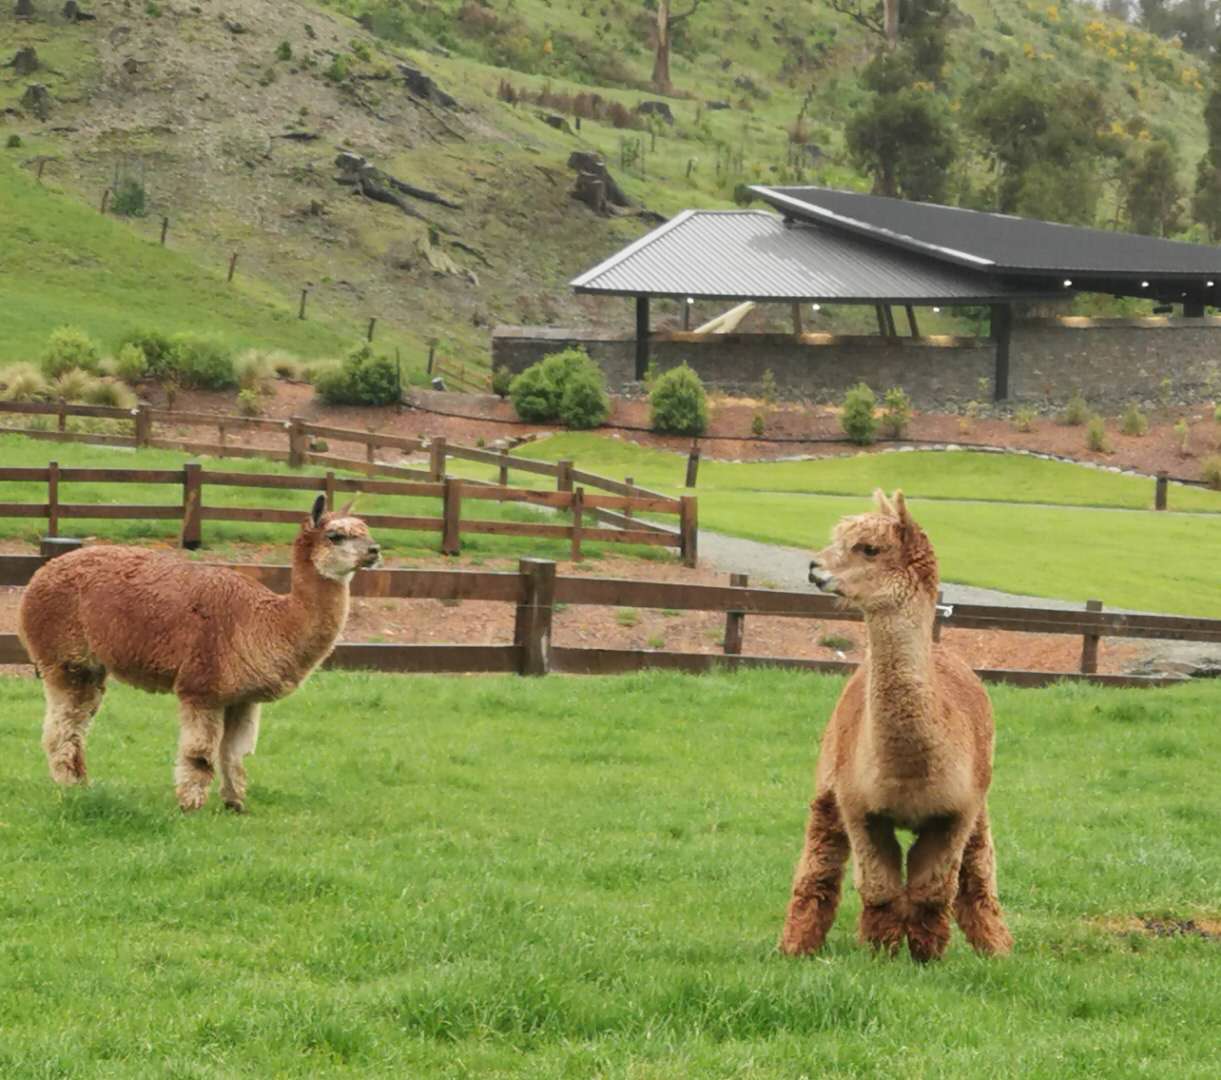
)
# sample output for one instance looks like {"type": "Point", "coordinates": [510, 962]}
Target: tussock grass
{"type": "Point", "coordinates": [508, 877]}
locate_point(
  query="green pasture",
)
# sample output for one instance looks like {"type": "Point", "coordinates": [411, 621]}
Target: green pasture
{"type": "Point", "coordinates": [16, 450]}
{"type": "Point", "coordinates": [501, 877]}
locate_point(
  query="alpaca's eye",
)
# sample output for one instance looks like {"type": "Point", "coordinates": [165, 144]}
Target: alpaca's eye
{"type": "Point", "coordinates": [868, 550]}
{"type": "Point", "coordinates": [335, 537]}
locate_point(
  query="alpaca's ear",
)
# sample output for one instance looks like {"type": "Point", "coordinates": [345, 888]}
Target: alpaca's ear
{"type": "Point", "coordinates": [315, 515]}
{"type": "Point", "coordinates": [900, 509]}
{"type": "Point", "coordinates": [882, 503]}
{"type": "Point", "coordinates": [348, 509]}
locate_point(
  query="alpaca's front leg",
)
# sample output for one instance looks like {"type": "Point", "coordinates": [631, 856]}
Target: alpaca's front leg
{"type": "Point", "coordinates": [879, 880]}
{"type": "Point", "coordinates": [932, 883]}
{"type": "Point", "coordinates": [198, 753]}
{"type": "Point", "coordinates": [241, 735]}
{"type": "Point", "coordinates": [816, 882]}
{"type": "Point", "coordinates": [976, 906]}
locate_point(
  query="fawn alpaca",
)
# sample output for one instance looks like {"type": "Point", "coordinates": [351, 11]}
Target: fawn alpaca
{"type": "Point", "coordinates": [908, 746]}
{"type": "Point", "coordinates": [219, 641]}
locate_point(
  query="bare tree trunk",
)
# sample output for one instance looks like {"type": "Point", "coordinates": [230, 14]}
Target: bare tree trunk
{"type": "Point", "coordinates": [661, 59]}
{"type": "Point", "coordinates": [892, 23]}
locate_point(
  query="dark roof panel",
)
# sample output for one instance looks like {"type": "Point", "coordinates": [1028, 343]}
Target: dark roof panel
{"type": "Point", "coordinates": [998, 242]}
{"type": "Point", "coordinates": [754, 255]}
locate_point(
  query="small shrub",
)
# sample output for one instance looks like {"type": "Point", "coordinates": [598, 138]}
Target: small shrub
{"type": "Point", "coordinates": [13, 141]}
{"type": "Point", "coordinates": [538, 392]}
{"type": "Point", "coordinates": [768, 391]}
{"type": "Point", "coordinates": [23, 382]}
{"type": "Point", "coordinates": [1076, 412]}
{"type": "Point", "coordinates": [152, 9]}
{"type": "Point", "coordinates": [678, 404]}
{"type": "Point", "coordinates": [158, 350]}
{"type": "Point", "coordinates": [69, 347]}
{"type": "Point", "coordinates": [1182, 433]}
{"type": "Point", "coordinates": [502, 379]}
{"type": "Point", "coordinates": [896, 412]}
{"type": "Point", "coordinates": [1217, 414]}
{"type": "Point", "coordinates": [254, 372]}
{"type": "Point", "coordinates": [757, 424]}
{"type": "Point", "coordinates": [1023, 418]}
{"type": "Point", "coordinates": [284, 51]}
{"type": "Point", "coordinates": [360, 50]}
{"type": "Point", "coordinates": [856, 415]}
{"type": "Point", "coordinates": [337, 70]}
{"type": "Point", "coordinates": [655, 641]}
{"type": "Point", "coordinates": [110, 392]}
{"type": "Point", "coordinates": [1096, 436]}
{"type": "Point", "coordinates": [364, 378]}
{"type": "Point", "coordinates": [128, 199]}
{"type": "Point", "coordinates": [201, 362]}
{"type": "Point", "coordinates": [1133, 421]}
{"type": "Point", "coordinates": [1165, 392]}
{"type": "Point", "coordinates": [970, 413]}
{"type": "Point", "coordinates": [130, 363]}
{"type": "Point", "coordinates": [72, 385]}
{"type": "Point", "coordinates": [627, 616]}
{"type": "Point", "coordinates": [837, 641]}
{"type": "Point", "coordinates": [584, 403]}
{"type": "Point", "coordinates": [248, 403]}
{"type": "Point", "coordinates": [1210, 471]}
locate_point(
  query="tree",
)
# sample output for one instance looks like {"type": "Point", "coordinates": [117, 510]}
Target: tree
{"type": "Point", "coordinates": [1206, 204]}
{"type": "Point", "coordinates": [666, 21]}
{"type": "Point", "coordinates": [1152, 191]}
{"type": "Point", "coordinates": [905, 141]}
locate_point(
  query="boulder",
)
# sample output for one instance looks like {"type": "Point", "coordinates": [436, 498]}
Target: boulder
{"type": "Point", "coordinates": [656, 108]}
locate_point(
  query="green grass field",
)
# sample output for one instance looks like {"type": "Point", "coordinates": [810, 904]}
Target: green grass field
{"type": "Point", "coordinates": [1067, 535]}
{"type": "Point", "coordinates": [501, 877]}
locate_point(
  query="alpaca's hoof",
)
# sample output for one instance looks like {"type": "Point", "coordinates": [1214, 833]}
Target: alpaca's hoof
{"type": "Point", "coordinates": [236, 806]}
{"type": "Point", "coordinates": [191, 799]}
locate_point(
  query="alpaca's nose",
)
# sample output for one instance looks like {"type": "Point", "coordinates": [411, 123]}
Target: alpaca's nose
{"type": "Point", "coordinates": [374, 549]}
{"type": "Point", "coordinates": [813, 568]}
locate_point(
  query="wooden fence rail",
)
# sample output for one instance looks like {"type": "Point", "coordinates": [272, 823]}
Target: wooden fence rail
{"type": "Point", "coordinates": [535, 590]}
{"type": "Point", "coordinates": [192, 510]}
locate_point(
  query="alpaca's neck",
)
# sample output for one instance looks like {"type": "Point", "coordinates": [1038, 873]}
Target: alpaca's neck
{"type": "Point", "coordinates": [314, 613]}
{"type": "Point", "coordinates": [899, 672]}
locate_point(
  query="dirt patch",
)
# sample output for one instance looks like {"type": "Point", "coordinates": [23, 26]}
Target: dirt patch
{"type": "Point", "coordinates": [1209, 929]}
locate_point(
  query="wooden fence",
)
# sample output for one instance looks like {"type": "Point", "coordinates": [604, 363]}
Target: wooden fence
{"type": "Point", "coordinates": [453, 492]}
{"type": "Point", "coordinates": [465, 376]}
{"type": "Point", "coordinates": [625, 499]}
{"type": "Point", "coordinates": [536, 591]}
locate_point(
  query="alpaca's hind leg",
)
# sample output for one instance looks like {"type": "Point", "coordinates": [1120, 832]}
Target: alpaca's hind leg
{"type": "Point", "coordinates": [241, 734]}
{"type": "Point", "coordinates": [73, 696]}
{"type": "Point", "coordinates": [878, 874]}
{"type": "Point", "coordinates": [976, 907]}
{"type": "Point", "coordinates": [932, 882]}
{"type": "Point", "coordinates": [816, 883]}
{"type": "Point", "coordinates": [198, 753]}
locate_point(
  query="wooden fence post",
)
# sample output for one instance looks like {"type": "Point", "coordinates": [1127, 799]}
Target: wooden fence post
{"type": "Point", "coordinates": [563, 476]}
{"type": "Point", "coordinates": [301, 310]}
{"type": "Point", "coordinates": [232, 266]}
{"type": "Point", "coordinates": [693, 463]}
{"type": "Point", "coordinates": [577, 505]}
{"type": "Point", "coordinates": [105, 199]}
{"type": "Point", "coordinates": [62, 415]}
{"type": "Point", "coordinates": [627, 510]}
{"type": "Point", "coordinates": [370, 448]}
{"type": "Point", "coordinates": [372, 324]}
{"type": "Point", "coordinates": [53, 498]}
{"type": "Point", "coordinates": [532, 627]}
{"type": "Point", "coordinates": [192, 498]}
{"type": "Point", "coordinates": [143, 424]}
{"type": "Point", "coordinates": [451, 543]}
{"type": "Point", "coordinates": [1089, 643]}
{"type": "Point", "coordinates": [330, 490]}
{"type": "Point", "coordinates": [689, 530]}
{"type": "Point", "coordinates": [504, 468]}
{"type": "Point", "coordinates": [296, 443]}
{"type": "Point", "coordinates": [1160, 491]}
{"type": "Point", "coordinates": [735, 621]}
{"type": "Point", "coordinates": [436, 457]}
{"type": "Point", "coordinates": [165, 227]}
{"type": "Point", "coordinates": [220, 432]}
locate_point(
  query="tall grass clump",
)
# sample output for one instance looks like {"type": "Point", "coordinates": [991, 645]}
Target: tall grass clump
{"type": "Point", "coordinates": [1210, 471]}
{"type": "Point", "coordinates": [129, 364]}
{"type": "Point", "coordinates": [539, 393]}
{"type": "Point", "coordinates": [23, 382]}
{"type": "Point", "coordinates": [1076, 412]}
{"type": "Point", "coordinates": [110, 392]}
{"type": "Point", "coordinates": [1133, 421]}
{"type": "Point", "coordinates": [856, 415]}
{"type": "Point", "coordinates": [896, 412]}
{"type": "Point", "coordinates": [1096, 436]}
{"type": "Point", "coordinates": [201, 362]}
{"type": "Point", "coordinates": [678, 403]}
{"type": "Point", "coordinates": [364, 378]}
{"type": "Point", "coordinates": [1023, 418]}
{"type": "Point", "coordinates": [255, 371]}
{"type": "Point", "coordinates": [72, 385]}
{"type": "Point", "coordinates": [69, 347]}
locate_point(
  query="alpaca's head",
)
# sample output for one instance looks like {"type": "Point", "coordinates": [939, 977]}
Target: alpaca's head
{"type": "Point", "coordinates": [337, 544]}
{"type": "Point", "coordinates": [878, 562]}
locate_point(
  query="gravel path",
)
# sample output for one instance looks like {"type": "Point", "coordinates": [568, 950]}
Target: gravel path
{"type": "Point", "coordinates": [774, 566]}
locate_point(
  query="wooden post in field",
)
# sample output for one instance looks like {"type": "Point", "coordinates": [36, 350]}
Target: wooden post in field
{"type": "Point", "coordinates": [42, 164]}
{"type": "Point", "coordinates": [1160, 491]}
{"type": "Point", "coordinates": [62, 415]}
{"type": "Point", "coordinates": [330, 490]}
{"type": "Point", "coordinates": [1089, 643]}
{"type": "Point", "coordinates": [693, 463]}
{"type": "Point", "coordinates": [232, 267]}
{"type": "Point", "coordinates": [220, 432]}
{"type": "Point", "coordinates": [301, 311]}
{"type": "Point", "coordinates": [432, 351]}
{"type": "Point", "coordinates": [532, 627]}
{"type": "Point", "coordinates": [105, 199]}
{"type": "Point", "coordinates": [165, 227]}
{"type": "Point", "coordinates": [627, 510]}
{"type": "Point", "coordinates": [192, 499]}
{"type": "Point", "coordinates": [370, 449]}
{"type": "Point", "coordinates": [372, 324]}
{"type": "Point", "coordinates": [735, 621]}
{"type": "Point", "coordinates": [578, 505]}
{"type": "Point", "coordinates": [689, 530]}
{"type": "Point", "coordinates": [563, 476]}
{"type": "Point", "coordinates": [53, 498]}
{"type": "Point", "coordinates": [436, 458]}
{"type": "Point", "coordinates": [143, 424]}
{"type": "Point", "coordinates": [451, 543]}
{"type": "Point", "coordinates": [296, 442]}
{"type": "Point", "coordinates": [504, 468]}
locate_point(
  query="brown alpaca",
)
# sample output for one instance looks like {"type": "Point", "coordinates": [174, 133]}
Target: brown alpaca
{"type": "Point", "coordinates": [219, 641]}
{"type": "Point", "coordinates": [908, 746]}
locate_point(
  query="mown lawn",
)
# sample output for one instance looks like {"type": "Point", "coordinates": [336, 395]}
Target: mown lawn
{"type": "Point", "coordinates": [502, 877]}
{"type": "Point", "coordinates": [16, 450]}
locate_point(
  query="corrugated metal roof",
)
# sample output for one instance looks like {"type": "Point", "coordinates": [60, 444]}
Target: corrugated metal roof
{"type": "Point", "coordinates": [998, 242]}
{"type": "Point", "coordinates": [755, 255]}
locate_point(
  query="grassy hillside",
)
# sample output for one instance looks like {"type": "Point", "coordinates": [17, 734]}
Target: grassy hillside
{"type": "Point", "coordinates": [586, 877]}
{"type": "Point", "coordinates": [160, 99]}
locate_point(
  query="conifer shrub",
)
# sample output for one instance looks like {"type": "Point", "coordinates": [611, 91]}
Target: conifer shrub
{"type": "Point", "coordinates": [678, 402]}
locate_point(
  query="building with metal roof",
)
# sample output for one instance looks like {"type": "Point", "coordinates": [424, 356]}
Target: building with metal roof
{"type": "Point", "coordinates": [839, 247]}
